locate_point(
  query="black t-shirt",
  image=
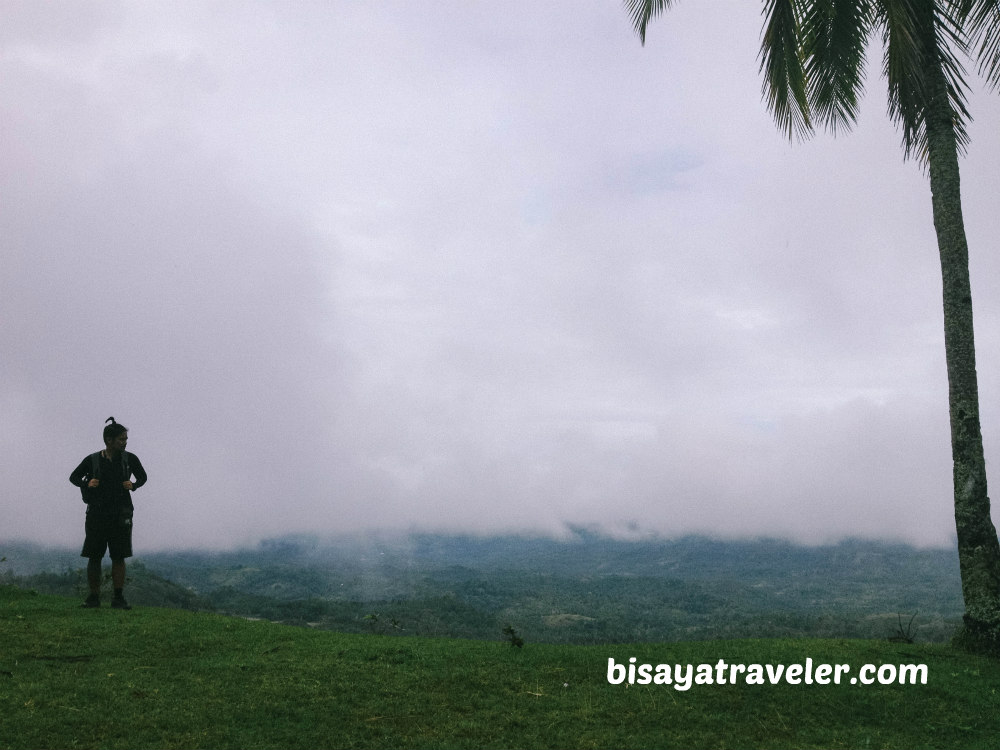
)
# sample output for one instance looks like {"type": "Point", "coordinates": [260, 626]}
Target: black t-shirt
{"type": "Point", "coordinates": [109, 496]}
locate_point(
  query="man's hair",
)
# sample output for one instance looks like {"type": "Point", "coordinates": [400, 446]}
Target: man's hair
{"type": "Point", "coordinates": [113, 430]}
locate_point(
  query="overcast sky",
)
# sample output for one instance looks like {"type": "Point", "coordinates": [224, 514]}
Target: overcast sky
{"type": "Point", "coordinates": [466, 266]}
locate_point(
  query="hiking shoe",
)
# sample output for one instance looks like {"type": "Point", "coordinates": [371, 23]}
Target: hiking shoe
{"type": "Point", "coordinates": [94, 600]}
{"type": "Point", "coordinates": [119, 603]}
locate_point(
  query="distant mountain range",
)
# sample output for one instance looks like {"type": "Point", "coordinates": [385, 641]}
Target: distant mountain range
{"type": "Point", "coordinates": [586, 589]}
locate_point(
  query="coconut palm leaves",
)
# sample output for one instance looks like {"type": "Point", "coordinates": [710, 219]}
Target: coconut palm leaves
{"type": "Point", "coordinates": [834, 35]}
{"type": "Point", "coordinates": [813, 58]}
{"type": "Point", "coordinates": [785, 86]}
{"type": "Point", "coordinates": [982, 20]}
{"type": "Point", "coordinates": [644, 11]}
{"type": "Point", "coordinates": [922, 38]}
{"type": "Point", "coordinates": [813, 62]}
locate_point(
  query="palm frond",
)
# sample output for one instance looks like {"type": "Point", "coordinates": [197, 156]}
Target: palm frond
{"type": "Point", "coordinates": [982, 19]}
{"type": "Point", "coordinates": [643, 11]}
{"type": "Point", "coordinates": [951, 44]}
{"type": "Point", "coordinates": [834, 36]}
{"type": "Point", "coordinates": [920, 36]}
{"type": "Point", "coordinates": [781, 62]}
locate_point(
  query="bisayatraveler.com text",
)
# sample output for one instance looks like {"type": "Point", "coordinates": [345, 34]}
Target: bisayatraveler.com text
{"type": "Point", "coordinates": [683, 676]}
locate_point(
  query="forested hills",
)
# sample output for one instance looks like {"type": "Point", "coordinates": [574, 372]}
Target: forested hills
{"type": "Point", "coordinates": [587, 588]}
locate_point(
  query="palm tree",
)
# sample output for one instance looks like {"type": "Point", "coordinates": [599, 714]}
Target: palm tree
{"type": "Point", "coordinates": [813, 58]}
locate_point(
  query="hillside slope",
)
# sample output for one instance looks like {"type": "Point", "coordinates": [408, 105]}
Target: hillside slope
{"type": "Point", "coordinates": [174, 679]}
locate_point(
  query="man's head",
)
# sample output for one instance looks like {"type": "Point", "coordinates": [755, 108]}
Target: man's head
{"type": "Point", "coordinates": [115, 435]}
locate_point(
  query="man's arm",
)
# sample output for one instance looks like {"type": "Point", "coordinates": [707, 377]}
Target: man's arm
{"type": "Point", "coordinates": [81, 474]}
{"type": "Point", "coordinates": [135, 466]}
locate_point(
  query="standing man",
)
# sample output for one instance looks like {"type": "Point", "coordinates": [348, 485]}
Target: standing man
{"type": "Point", "coordinates": [105, 478]}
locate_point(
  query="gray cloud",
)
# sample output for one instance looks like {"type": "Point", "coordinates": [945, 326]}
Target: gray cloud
{"type": "Point", "coordinates": [344, 267]}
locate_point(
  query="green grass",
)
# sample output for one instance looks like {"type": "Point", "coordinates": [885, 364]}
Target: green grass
{"type": "Point", "coordinates": [159, 678]}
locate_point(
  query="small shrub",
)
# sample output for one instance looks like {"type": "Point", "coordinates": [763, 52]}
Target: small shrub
{"type": "Point", "coordinates": [512, 637]}
{"type": "Point", "coordinates": [901, 635]}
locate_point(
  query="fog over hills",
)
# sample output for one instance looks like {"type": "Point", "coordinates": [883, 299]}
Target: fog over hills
{"type": "Point", "coordinates": [585, 587]}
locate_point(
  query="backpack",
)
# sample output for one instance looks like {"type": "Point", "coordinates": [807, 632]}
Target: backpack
{"type": "Point", "coordinates": [95, 473]}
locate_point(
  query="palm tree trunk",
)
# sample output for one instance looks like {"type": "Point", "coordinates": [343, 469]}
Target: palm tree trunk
{"type": "Point", "coordinates": [978, 547]}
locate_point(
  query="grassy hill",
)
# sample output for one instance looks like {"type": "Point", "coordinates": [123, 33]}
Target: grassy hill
{"type": "Point", "coordinates": [165, 678]}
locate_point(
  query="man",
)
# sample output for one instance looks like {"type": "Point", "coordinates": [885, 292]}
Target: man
{"type": "Point", "coordinates": [106, 482]}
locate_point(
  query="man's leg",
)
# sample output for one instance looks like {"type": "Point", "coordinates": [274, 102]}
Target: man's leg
{"type": "Point", "coordinates": [94, 546]}
{"type": "Point", "coordinates": [94, 581]}
{"type": "Point", "coordinates": [118, 581]}
{"type": "Point", "coordinates": [118, 574]}
{"type": "Point", "coordinates": [94, 575]}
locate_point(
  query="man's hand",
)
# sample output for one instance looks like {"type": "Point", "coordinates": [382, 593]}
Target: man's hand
{"type": "Point", "coordinates": [127, 485]}
{"type": "Point", "coordinates": [93, 482]}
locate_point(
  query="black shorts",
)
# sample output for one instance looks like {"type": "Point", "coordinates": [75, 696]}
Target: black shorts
{"type": "Point", "coordinates": [107, 534]}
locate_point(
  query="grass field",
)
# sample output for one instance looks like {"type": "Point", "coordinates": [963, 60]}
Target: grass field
{"type": "Point", "coordinates": [160, 678]}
